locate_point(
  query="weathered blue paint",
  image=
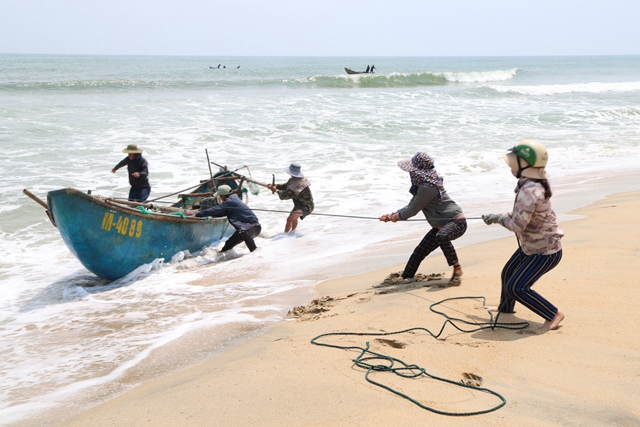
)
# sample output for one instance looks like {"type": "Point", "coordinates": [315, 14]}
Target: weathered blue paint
{"type": "Point", "coordinates": [89, 227]}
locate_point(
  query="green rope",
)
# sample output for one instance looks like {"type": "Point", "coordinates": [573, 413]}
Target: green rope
{"type": "Point", "coordinates": [144, 210]}
{"type": "Point", "coordinates": [406, 370]}
{"type": "Point", "coordinates": [180, 214]}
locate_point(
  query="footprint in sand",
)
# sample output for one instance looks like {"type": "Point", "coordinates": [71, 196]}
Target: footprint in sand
{"type": "Point", "coordinates": [391, 343]}
{"type": "Point", "coordinates": [471, 379]}
{"type": "Point", "coordinates": [527, 332]}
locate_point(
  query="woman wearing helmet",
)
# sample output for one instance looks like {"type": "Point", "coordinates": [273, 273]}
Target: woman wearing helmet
{"type": "Point", "coordinates": [444, 215]}
{"type": "Point", "coordinates": [536, 227]}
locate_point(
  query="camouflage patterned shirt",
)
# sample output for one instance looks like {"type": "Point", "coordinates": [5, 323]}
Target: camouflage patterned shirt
{"type": "Point", "coordinates": [533, 220]}
{"type": "Point", "coordinates": [302, 201]}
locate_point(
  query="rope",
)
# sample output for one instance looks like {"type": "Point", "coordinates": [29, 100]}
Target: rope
{"type": "Point", "coordinates": [331, 215]}
{"type": "Point", "coordinates": [172, 194]}
{"type": "Point", "coordinates": [144, 210]}
{"type": "Point", "coordinates": [406, 370]}
{"type": "Point", "coordinates": [347, 216]}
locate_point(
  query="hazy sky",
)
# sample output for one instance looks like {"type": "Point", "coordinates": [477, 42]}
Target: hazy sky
{"type": "Point", "coordinates": [321, 27]}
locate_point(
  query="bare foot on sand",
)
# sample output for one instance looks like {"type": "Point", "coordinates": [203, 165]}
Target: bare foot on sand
{"type": "Point", "coordinates": [456, 279]}
{"type": "Point", "coordinates": [552, 324]}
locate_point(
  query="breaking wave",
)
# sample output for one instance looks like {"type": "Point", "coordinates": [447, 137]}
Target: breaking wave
{"type": "Point", "coordinates": [408, 79]}
{"type": "Point", "coordinates": [310, 82]}
{"type": "Point", "coordinates": [544, 90]}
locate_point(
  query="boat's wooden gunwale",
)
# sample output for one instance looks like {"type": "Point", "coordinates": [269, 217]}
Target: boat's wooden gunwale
{"type": "Point", "coordinates": [135, 212]}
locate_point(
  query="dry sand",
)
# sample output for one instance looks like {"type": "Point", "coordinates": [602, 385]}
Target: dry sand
{"type": "Point", "coordinates": [585, 373]}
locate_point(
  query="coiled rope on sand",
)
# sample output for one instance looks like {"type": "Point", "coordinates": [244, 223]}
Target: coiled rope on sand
{"type": "Point", "coordinates": [367, 358]}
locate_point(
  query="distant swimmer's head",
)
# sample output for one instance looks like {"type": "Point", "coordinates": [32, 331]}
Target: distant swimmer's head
{"type": "Point", "coordinates": [528, 158]}
{"type": "Point", "coordinates": [295, 170]}
{"type": "Point", "coordinates": [419, 163]}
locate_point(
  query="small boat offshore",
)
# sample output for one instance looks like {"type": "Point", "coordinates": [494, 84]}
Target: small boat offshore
{"type": "Point", "coordinates": [112, 237]}
{"type": "Point", "coordinates": [350, 71]}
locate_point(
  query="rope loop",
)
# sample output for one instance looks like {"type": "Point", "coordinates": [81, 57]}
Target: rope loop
{"type": "Point", "coordinates": [369, 359]}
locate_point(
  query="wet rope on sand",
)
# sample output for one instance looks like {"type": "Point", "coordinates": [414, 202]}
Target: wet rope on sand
{"type": "Point", "coordinates": [406, 370]}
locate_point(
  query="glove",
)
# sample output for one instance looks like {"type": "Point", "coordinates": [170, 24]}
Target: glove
{"type": "Point", "coordinates": [491, 218]}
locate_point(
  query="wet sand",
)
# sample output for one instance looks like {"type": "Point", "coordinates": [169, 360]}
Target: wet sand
{"type": "Point", "coordinates": [584, 373]}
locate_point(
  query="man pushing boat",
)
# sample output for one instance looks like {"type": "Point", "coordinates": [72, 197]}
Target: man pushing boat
{"type": "Point", "coordinates": [240, 216]}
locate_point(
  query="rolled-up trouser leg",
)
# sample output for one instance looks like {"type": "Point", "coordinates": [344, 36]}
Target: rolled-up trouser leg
{"type": "Point", "coordinates": [233, 241]}
{"type": "Point", "coordinates": [424, 248]}
{"type": "Point", "coordinates": [446, 234]}
{"type": "Point", "coordinates": [248, 236]}
{"type": "Point", "coordinates": [243, 236]}
{"type": "Point", "coordinates": [434, 238]}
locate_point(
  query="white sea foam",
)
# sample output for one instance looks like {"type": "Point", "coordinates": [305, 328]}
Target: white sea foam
{"type": "Point", "coordinates": [560, 89]}
{"type": "Point", "coordinates": [479, 76]}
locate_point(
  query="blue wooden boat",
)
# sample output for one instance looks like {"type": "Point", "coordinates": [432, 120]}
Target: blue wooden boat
{"type": "Point", "coordinates": [111, 238]}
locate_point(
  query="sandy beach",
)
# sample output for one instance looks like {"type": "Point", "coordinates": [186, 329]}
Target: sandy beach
{"type": "Point", "coordinates": [584, 373]}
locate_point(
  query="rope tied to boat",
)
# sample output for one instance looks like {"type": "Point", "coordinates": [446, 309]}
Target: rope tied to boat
{"type": "Point", "coordinates": [407, 370]}
{"type": "Point", "coordinates": [346, 216]}
{"type": "Point", "coordinates": [144, 210]}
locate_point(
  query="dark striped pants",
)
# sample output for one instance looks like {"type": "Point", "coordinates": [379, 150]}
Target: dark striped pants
{"type": "Point", "coordinates": [436, 237]}
{"type": "Point", "coordinates": [519, 274]}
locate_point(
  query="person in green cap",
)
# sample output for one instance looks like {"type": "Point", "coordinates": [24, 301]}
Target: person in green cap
{"type": "Point", "coordinates": [138, 173]}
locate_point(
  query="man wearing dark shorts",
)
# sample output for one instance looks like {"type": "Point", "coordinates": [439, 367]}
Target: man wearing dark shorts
{"type": "Point", "coordinates": [296, 189]}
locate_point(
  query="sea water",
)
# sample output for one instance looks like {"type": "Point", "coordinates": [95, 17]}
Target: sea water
{"type": "Point", "coordinates": [69, 340]}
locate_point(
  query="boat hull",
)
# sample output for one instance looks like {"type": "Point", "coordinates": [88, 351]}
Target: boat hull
{"type": "Point", "coordinates": [350, 71]}
{"type": "Point", "coordinates": [112, 241]}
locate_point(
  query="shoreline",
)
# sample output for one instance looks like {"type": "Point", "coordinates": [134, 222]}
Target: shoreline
{"type": "Point", "coordinates": [270, 372]}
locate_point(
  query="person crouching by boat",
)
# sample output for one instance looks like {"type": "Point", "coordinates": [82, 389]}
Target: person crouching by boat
{"type": "Point", "coordinates": [443, 214]}
{"type": "Point", "coordinates": [138, 173]}
{"type": "Point", "coordinates": [240, 216]}
{"type": "Point", "coordinates": [296, 189]}
{"type": "Point", "coordinates": [536, 226]}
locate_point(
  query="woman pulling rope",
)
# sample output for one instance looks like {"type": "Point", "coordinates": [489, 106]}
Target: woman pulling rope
{"type": "Point", "coordinates": [536, 227]}
{"type": "Point", "coordinates": [443, 214]}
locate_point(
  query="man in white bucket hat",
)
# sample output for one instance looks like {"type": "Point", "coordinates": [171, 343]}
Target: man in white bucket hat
{"type": "Point", "coordinates": [138, 173]}
{"type": "Point", "coordinates": [240, 216]}
{"type": "Point", "coordinates": [296, 189]}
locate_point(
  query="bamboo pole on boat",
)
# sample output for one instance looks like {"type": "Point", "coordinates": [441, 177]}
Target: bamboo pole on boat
{"type": "Point", "coordinates": [127, 202]}
{"type": "Point", "coordinates": [177, 192]}
{"type": "Point", "coordinates": [215, 186]}
{"type": "Point", "coordinates": [35, 198]}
